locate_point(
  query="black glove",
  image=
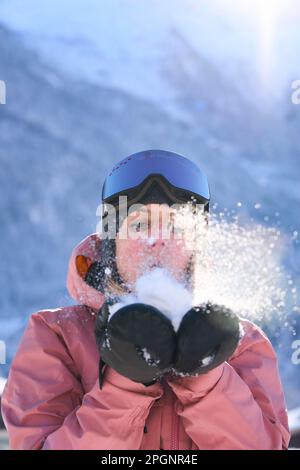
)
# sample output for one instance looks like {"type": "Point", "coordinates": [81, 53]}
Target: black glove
{"type": "Point", "coordinates": [207, 336]}
{"type": "Point", "coordinates": [138, 341]}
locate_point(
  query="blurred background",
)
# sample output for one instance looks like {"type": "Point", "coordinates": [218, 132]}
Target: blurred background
{"type": "Point", "coordinates": [89, 82]}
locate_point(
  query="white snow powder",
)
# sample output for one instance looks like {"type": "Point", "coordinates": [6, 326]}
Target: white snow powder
{"type": "Point", "coordinates": [148, 358]}
{"type": "Point", "coordinates": [150, 240]}
{"type": "Point", "coordinates": [207, 360]}
{"type": "Point", "coordinates": [241, 332]}
{"type": "Point", "coordinates": [107, 343]}
{"type": "Point", "coordinates": [159, 289]}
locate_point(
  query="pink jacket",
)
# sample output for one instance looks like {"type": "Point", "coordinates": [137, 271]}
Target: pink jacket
{"type": "Point", "coordinates": [52, 398]}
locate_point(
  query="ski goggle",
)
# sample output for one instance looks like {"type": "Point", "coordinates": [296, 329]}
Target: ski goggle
{"type": "Point", "coordinates": [183, 176]}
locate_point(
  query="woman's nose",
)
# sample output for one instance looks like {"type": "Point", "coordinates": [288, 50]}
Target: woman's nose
{"type": "Point", "coordinates": [157, 236]}
{"type": "Point", "coordinates": [156, 241]}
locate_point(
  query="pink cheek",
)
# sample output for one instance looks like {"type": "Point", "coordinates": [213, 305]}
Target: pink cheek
{"type": "Point", "coordinates": [134, 249]}
{"type": "Point", "coordinates": [130, 256]}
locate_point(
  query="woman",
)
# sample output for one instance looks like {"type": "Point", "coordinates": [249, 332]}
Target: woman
{"type": "Point", "coordinates": [53, 399]}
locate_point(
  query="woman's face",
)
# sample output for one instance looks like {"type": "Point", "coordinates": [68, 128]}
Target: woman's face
{"type": "Point", "coordinates": [151, 237]}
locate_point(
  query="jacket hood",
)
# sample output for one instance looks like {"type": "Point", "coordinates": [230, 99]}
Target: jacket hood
{"type": "Point", "coordinates": [77, 287]}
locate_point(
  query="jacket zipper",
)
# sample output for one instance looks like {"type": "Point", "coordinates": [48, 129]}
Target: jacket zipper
{"type": "Point", "coordinates": [175, 430]}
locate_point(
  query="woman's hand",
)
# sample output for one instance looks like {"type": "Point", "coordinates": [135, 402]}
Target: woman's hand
{"type": "Point", "coordinates": [138, 341]}
{"type": "Point", "coordinates": [207, 336]}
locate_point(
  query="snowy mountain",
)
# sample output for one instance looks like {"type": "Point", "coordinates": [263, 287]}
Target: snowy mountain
{"type": "Point", "coordinates": [199, 63]}
{"type": "Point", "coordinates": [104, 42]}
{"type": "Point", "coordinates": [89, 83]}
